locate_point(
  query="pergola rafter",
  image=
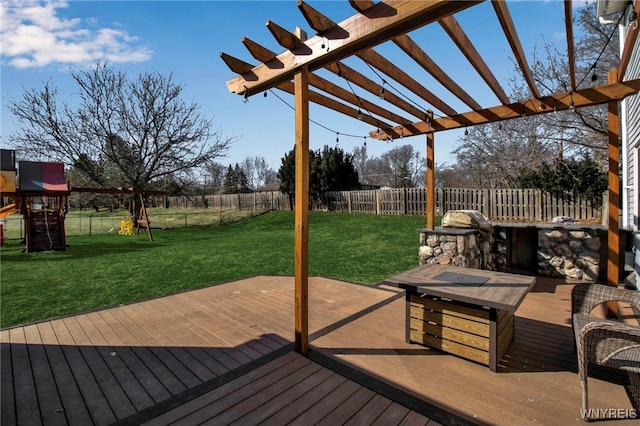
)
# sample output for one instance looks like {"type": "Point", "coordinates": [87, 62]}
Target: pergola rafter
{"type": "Point", "coordinates": [514, 41]}
{"type": "Point", "coordinates": [568, 25]}
{"type": "Point", "coordinates": [457, 34]}
{"type": "Point", "coordinates": [412, 49]}
{"type": "Point", "coordinates": [392, 21]}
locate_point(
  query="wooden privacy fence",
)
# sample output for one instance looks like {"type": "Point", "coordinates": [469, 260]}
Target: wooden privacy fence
{"type": "Point", "coordinates": [495, 204]}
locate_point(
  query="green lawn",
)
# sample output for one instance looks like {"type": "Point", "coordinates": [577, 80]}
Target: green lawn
{"type": "Point", "coordinates": [106, 270]}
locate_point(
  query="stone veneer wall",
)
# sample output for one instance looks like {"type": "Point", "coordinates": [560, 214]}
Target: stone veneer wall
{"type": "Point", "coordinates": [467, 248]}
{"type": "Point", "coordinates": [571, 253]}
{"type": "Point", "coordinates": [561, 252]}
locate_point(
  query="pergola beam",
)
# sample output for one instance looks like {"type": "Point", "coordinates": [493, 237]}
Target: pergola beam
{"type": "Point", "coordinates": [381, 22]}
{"type": "Point", "coordinates": [558, 102]}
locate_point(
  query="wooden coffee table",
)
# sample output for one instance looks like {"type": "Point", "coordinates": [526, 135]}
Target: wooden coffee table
{"type": "Point", "coordinates": [465, 312]}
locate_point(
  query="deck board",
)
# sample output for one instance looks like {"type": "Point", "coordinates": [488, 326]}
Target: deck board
{"type": "Point", "coordinates": [175, 358]}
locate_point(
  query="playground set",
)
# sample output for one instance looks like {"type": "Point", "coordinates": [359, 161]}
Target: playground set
{"type": "Point", "coordinates": [40, 196]}
{"type": "Point", "coordinates": [39, 191]}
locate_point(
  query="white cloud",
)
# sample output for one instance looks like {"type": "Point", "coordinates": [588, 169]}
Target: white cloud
{"type": "Point", "coordinates": [33, 35]}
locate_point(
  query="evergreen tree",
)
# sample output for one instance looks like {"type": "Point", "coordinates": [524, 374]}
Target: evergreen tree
{"type": "Point", "coordinates": [329, 170]}
{"type": "Point", "coordinates": [337, 172]}
{"type": "Point", "coordinates": [229, 181]}
{"type": "Point", "coordinates": [575, 177]}
{"type": "Point", "coordinates": [235, 181]}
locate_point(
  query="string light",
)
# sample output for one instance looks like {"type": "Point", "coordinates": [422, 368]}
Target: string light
{"type": "Point", "coordinates": [245, 95]}
{"type": "Point", "coordinates": [466, 131]}
{"type": "Point", "coordinates": [365, 141]}
{"type": "Point", "coordinates": [572, 105]}
{"type": "Point", "coordinates": [594, 76]}
{"type": "Point", "coordinates": [337, 138]}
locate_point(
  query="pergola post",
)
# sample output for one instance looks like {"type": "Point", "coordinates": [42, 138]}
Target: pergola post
{"type": "Point", "coordinates": [431, 184]}
{"type": "Point", "coordinates": [301, 256]}
{"type": "Point", "coordinates": [613, 240]}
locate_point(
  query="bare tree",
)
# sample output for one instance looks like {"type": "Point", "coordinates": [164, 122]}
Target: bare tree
{"type": "Point", "coordinates": [407, 167]}
{"type": "Point", "coordinates": [583, 131]}
{"type": "Point", "coordinates": [140, 127]}
{"type": "Point", "coordinates": [451, 176]}
{"type": "Point", "coordinates": [214, 174]}
{"type": "Point", "coordinates": [491, 155]}
{"type": "Point", "coordinates": [258, 172]}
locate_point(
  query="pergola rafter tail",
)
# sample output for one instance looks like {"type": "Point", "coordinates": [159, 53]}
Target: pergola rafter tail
{"type": "Point", "coordinates": [381, 22]}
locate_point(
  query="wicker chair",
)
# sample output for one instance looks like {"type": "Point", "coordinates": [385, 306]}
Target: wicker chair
{"type": "Point", "coordinates": [604, 341]}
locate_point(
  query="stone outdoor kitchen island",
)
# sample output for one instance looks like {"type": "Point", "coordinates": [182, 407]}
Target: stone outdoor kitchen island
{"type": "Point", "coordinates": [559, 251]}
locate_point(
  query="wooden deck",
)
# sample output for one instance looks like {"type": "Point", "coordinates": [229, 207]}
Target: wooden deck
{"type": "Point", "coordinates": [223, 354]}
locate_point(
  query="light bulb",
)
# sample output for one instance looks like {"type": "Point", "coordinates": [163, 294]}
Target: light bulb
{"type": "Point", "coordinates": [572, 106]}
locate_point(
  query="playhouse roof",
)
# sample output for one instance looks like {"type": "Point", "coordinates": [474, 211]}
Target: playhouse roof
{"type": "Point", "coordinates": [36, 176]}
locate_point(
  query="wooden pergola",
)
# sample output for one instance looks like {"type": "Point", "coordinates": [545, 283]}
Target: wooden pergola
{"type": "Point", "coordinates": [392, 21]}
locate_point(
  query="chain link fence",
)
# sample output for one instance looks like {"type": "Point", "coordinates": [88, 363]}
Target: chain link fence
{"type": "Point", "coordinates": [88, 223]}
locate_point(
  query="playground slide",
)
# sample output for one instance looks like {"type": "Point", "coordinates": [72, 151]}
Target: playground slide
{"type": "Point", "coordinates": [8, 210]}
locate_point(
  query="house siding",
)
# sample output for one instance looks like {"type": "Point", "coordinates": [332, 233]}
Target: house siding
{"type": "Point", "coordinates": [632, 184]}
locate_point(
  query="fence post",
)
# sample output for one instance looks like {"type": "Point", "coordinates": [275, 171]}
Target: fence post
{"type": "Point", "coordinates": [605, 209]}
{"type": "Point", "coordinates": [404, 201]}
{"type": "Point", "coordinates": [90, 223]}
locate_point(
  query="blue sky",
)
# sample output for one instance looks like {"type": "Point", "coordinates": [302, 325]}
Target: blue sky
{"type": "Point", "coordinates": [44, 41]}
